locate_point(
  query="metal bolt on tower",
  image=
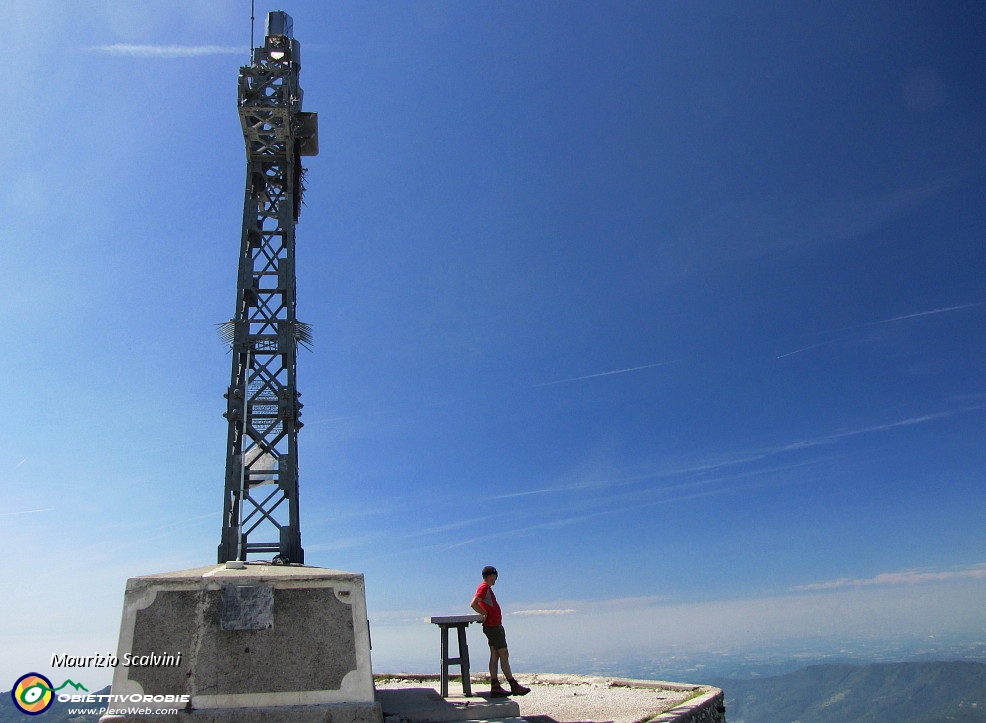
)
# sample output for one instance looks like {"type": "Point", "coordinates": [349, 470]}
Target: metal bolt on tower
{"type": "Point", "coordinates": [260, 503]}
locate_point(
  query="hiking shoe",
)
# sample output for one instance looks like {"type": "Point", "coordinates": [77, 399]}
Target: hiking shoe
{"type": "Point", "coordinates": [518, 689]}
{"type": "Point", "coordinates": [497, 692]}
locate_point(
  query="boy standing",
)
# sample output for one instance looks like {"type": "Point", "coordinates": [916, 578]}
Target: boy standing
{"type": "Point", "coordinates": [484, 603]}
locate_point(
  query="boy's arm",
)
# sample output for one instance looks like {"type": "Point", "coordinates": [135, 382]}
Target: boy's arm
{"type": "Point", "coordinates": [477, 606]}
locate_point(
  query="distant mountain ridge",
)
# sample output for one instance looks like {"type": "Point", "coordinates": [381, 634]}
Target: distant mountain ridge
{"type": "Point", "coordinates": [933, 692]}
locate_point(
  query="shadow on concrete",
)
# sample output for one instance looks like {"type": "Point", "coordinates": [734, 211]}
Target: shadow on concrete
{"type": "Point", "coordinates": [549, 719]}
{"type": "Point", "coordinates": [425, 705]}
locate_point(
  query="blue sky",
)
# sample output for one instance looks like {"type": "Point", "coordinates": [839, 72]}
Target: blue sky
{"type": "Point", "coordinates": [672, 311]}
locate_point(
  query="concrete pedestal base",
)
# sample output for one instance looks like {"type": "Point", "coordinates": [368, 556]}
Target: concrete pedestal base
{"type": "Point", "coordinates": [263, 643]}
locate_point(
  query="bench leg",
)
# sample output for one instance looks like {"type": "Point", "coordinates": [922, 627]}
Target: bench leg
{"type": "Point", "coordinates": [464, 663]}
{"type": "Point", "coordinates": [444, 670]}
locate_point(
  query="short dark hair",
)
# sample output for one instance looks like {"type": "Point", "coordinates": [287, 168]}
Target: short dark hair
{"type": "Point", "coordinates": [489, 570]}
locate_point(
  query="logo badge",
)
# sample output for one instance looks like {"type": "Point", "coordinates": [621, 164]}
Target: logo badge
{"type": "Point", "coordinates": [32, 694]}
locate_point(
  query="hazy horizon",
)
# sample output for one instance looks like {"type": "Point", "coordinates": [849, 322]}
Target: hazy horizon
{"type": "Point", "coordinates": [672, 311]}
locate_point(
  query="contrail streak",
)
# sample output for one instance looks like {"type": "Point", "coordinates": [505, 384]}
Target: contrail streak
{"type": "Point", "coordinates": [605, 374]}
{"type": "Point", "coordinates": [806, 348]}
{"type": "Point", "coordinates": [884, 321]}
{"type": "Point", "coordinates": [912, 316]}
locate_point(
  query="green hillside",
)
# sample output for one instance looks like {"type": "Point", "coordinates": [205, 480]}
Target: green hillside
{"type": "Point", "coordinates": [877, 693]}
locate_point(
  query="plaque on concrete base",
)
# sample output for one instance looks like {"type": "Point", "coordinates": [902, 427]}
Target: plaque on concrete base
{"type": "Point", "coordinates": [265, 642]}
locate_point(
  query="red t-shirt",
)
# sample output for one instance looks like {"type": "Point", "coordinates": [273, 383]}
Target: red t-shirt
{"type": "Point", "coordinates": [487, 601]}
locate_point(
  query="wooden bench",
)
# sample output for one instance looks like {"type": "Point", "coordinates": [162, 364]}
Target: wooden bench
{"type": "Point", "coordinates": [460, 623]}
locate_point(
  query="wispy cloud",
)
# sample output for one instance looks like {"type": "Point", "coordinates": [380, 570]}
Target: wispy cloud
{"type": "Point", "coordinates": [458, 399]}
{"type": "Point", "coordinates": [556, 611]}
{"type": "Point", "coordinates": [499, 534]}
{"type": "Point", "coordinates": [836, 436]}
{"type": "Point", "coordinates": [766, 467]}
{"type": "Point", "coordinates": [582, 485]}
{"type": "Point", "coordinates": [168, 51]}
{"type": "Point", "coordinates": [891, 320]}
{"type": "Point", "coordinates": [810, 442]}
{"type": "Point", "coordinates": [907, 577]}
{"type": "Point", "coordinates": [459, 524]}
{"type": "Point", "coordinates": [26, 512]}
{"type": "Point", "coordinates": [772, 226]}
{"type": "Point", "coordinates": [636, 500]}
{"type": "Point", "coordinates": [699, 470]}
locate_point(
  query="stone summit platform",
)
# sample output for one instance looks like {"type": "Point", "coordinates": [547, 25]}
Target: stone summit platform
{"type": "Point", "coordinates": [553, 699]}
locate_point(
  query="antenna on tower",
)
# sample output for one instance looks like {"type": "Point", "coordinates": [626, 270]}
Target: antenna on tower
{"type": "Point", "coordinates": [251, 29]}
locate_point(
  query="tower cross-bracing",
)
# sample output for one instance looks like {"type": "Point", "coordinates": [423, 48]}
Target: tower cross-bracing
{"type": "Point", "coordinates": [260, 503]}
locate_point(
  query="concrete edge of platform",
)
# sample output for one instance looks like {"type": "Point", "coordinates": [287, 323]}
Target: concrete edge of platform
{"type": "Point", "coordinates": [708, 707]}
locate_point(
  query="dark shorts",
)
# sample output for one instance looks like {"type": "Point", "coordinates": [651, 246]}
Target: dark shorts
{"type": "Point", "coordinates": [496, 635]}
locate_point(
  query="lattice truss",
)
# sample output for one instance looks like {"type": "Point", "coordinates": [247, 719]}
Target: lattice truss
{"type": "Point", "coordinates": [260, 508]}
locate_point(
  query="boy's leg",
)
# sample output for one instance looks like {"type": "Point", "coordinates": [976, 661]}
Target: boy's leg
{"type": "Point", "coordinates": [504, 656]}
{"type": "Point", "coordinates": [515, 687]}
{"type": "Point", "coordinates": [498, 643]}
{"type": "Point", "coordinates": [496, 690]}
{"type": "Point", "coordinates": [494, 662]}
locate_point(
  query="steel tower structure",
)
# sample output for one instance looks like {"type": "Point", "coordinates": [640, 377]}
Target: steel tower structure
{"type": "Point", "coordinates": [260, 503]}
